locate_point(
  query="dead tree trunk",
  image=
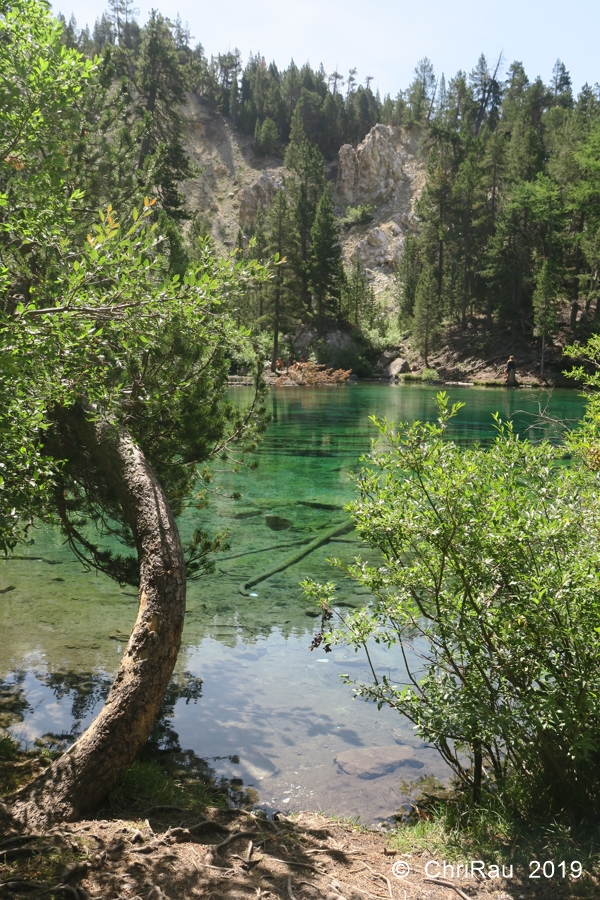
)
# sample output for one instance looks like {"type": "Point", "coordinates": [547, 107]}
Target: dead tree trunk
{"type": "Point", "coordinates": [75, 784]}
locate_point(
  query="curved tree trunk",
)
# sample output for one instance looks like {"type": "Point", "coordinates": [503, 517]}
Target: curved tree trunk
{"type": "Point", "coordinates": [76, 783]}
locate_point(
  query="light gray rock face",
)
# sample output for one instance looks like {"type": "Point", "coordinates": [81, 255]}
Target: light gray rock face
{"type": "Point", "coordinates": [398, 366]}
{"type": "Point", "coordinates": [379, 248]}
{"type": "Point", "coordinates": [373, 762]}
{"type": "Point", "coordinates": [371, 173]}
{"type": "Point", "coordinates": [385, 171]}
{"type": "Point", "coordinates": [258, 195]}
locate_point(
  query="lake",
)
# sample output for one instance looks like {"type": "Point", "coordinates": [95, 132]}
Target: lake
{"type": "Point", "coordinates": [246, 684]}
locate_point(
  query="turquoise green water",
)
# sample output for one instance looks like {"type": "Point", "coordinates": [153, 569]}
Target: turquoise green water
{"type": "Point", "coordinates": [265, 697]}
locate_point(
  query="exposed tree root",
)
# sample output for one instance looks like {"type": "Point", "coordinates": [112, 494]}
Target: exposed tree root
{"type": "Point", "coordinates": [441, 882]}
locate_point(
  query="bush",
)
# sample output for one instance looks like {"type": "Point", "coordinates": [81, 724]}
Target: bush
{"type": "Point", "coordinates": [490, 589]}
{"type": "Point", "coordinates": [357, 215]}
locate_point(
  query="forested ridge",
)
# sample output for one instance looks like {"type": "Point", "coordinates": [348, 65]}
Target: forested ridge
{"type": "Point", "coordinates": [507, 227]}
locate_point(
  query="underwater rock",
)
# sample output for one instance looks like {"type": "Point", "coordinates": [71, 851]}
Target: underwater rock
{"type": "Point", "coordinates": [372, 762]}
{"type": "Point", "coordinates": [257, 764]}
{"type": "Point", "coordinates": [277, 523]}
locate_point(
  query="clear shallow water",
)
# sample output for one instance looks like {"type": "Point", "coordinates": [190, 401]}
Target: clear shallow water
{"type": "Point", "coordinates": [264, 696]}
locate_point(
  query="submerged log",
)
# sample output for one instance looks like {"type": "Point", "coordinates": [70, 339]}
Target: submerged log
{"type": "Point", "coordinates": [342, 528]}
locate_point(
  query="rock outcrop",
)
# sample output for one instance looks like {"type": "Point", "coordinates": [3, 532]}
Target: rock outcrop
{"type": "Point", "coordinates": [382, 246]}
{"type": "Point", "coordinates": [386, 173]}
{"type": "Point", "coordinates": [232, 184]}
{"type": "Point", "coordinates": [257, 196]}
{"type": "Point", "coordinates": [370, 174]}
{"type": "Point", "coordinates": [397, 366]}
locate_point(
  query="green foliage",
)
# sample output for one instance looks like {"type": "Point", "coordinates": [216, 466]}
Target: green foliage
{"type": "Point", "coordinates": [357, 215]}
{"type": "Point", "coordinates": [359, 305]}
{"type": "Point", "coordinates": [512, 181]}
{"type": "Point", "coordinates": [425, 324]}
{"type": "Point", "coordinates": [545, 314]}
{"type": "Point", "coordinates": [266, 136]}
{"type": "Point", "coordinates": [490, 577]}
{"type": "Point", "coordinates": [407, 276]}
{"type": "Point", "coordinates": [147, 784]}
{"type": "Point", "coordinates": [113, 326]}
{"type": "Point", "coordinates": [326, 258]}
{"type": "Point", "coordinates": [9, 747]}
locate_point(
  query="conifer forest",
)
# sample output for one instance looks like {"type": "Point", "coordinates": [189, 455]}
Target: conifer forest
{"type": "Point", "coordinates": [506, 227]}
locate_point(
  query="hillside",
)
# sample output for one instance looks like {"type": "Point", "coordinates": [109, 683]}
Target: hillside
{"type": "Point", "coordinates": [479, 194]}
{"type": "Point", "coordinates": [386, 173]}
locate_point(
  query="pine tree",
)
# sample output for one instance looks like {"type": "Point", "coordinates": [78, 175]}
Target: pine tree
{"type": "Point", "coordinates": [161, 83]}
{"type": "Point", "coordinates": [421, 93]}
{"type": "Point", "coordinates": [544, 307]}
{"type": "Point", "coordinates": [306, 162]}
{"type": "Point", "coordinates": [425, 318]}
{"type": "Point", "coordinates": [358, 297]}
{"type": "Point", "coordinates": [407, 276]}
{"type": "Point", "coordinates": [326, 259]}
{"type": "Point", "coordinates": [279, 241]}
{"type": "Point", "coordinates": [269, 136]}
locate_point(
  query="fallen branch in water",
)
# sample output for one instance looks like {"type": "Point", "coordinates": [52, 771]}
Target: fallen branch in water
{"type": "Point", "coordinates": [262, 550]}
{"type": "Point", "coordinates": [342, 528]}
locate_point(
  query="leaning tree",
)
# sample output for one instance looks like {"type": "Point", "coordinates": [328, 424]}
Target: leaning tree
{"type": "Point", "coordinates": [113, 377]}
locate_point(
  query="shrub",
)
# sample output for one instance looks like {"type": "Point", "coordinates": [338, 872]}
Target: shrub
{"type": "Point", "coordinates": [357, 215]}
{"type": "Point", "coordinates": [489, 591]}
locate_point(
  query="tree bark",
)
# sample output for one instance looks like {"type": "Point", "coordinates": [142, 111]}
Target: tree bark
{"type": "Point", "coordinates": [477, 770]}
{"type": "Point", "coordinates": [76, 784]}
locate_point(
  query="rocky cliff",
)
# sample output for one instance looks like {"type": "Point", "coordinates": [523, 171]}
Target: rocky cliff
{"type": "Point", "coordinates": [233, 183]}
{"type": "Point", "coordinates": [385, 172]}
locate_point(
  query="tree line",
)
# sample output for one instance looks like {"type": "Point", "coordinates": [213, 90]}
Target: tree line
{"type": "Point", "coordinates": [508, 224]}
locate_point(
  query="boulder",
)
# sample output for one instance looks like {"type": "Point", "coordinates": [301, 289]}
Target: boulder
{"type": "Point", "coordinates": [373, 762]}
{"type": "Point", "coordinates": [258, 195]}
{"type": "Point", "coordinates": [378, 239]}
{"type": "Point", "coordinates": [398, 366]}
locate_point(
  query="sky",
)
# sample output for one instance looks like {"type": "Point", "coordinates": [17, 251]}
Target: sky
{"type": "Point", "coordinates": [384, 39]}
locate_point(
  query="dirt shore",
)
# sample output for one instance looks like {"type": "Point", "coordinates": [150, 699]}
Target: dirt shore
{"type": "Point", "coordinates": [239, 854]}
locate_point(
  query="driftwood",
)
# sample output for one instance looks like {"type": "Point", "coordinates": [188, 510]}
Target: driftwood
{"type": "Point", "coordinates": [342, 528]}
